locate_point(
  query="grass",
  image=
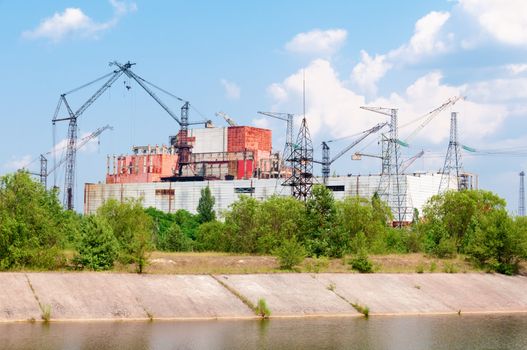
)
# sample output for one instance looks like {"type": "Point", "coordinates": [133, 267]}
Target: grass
{"type": "Point", "coordinates": [363, 309]}
{"type": "Point", "coordinates": [46, 313]}
{"type": "Point", "coordinates": [262, 309]}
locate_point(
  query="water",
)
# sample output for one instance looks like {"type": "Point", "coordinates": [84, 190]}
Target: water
{"type": "Point", "coordinates": [438, 332]}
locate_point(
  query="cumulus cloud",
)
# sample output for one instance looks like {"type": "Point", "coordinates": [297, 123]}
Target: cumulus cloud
{"type": "Point", "coordinates": [427, 39]}
{"type": "Point", "coordinates": [232, 90]}
{"type": "Point", "coordinates": [261, 123]}
{"type": "Point", "coordinates": [322, 42]}
{"type": "Point", "coordinates": [367, 72]}
{"type": "Point", "coordinates": [332, 106]}
{"type": "Point", "coordinates": [74, 22]}
{"type": "Point", "coordinates": [504, 21]}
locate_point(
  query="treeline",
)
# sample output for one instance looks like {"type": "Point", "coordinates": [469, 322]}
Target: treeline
{"type": "Point", "coordinates": [35, 231]}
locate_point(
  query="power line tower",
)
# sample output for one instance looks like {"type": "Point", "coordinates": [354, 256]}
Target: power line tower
{"type": "Point", "coordinates": [521, 204]}
{"type": "Point", "coordinates": [392, 188]}
{"type": "Point", "coordinates": [301, 159]}
{"type": "Point", "coordinates": [453, 164]}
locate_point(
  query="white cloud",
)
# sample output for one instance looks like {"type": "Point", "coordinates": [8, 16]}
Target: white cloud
{"type": "Point", "coordinates": [74, 22]}
{"type": "Point", "coordinates": [18, 163]}
{"type": "Point", "coordinates": [277, 92]}
{"type": "Point", "coordinates": [330, 105]}
{"type": "Point", "coordinates": [232, 90]}
{"type": "Point", "coordinates": [516, 69]}
{"type": "Point", "coordinates": [323, 42]}
{"type": "Point", "coordinates": [506, 21]}
{"type": "Point", "coordinates": [369, 71]}
{"type": "Point", "coordinates": [499, 90]}
{"type": "Point", "coordinates": [427, 39]}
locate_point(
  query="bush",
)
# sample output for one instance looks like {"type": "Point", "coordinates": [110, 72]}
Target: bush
{"type": "Point", "coordinates": [262, 309]}
{"type": "Point", "coordinates": [361, 263]}
{"type": "Point", "coordinates": [211, 237]}
{"type": "Point", "coordinates": [176, 240]}
{"type": "Point", "coordinates": [290, 253]}
{"type": "Point", "coordinates": [98, 248]}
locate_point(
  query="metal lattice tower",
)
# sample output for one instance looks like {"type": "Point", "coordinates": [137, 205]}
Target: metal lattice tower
{"type": "Point", "coordinates": [43, 170]}
{"type": "Point", "coordinates": [301, 159]}
{"type": "Point", "coordinates": [453, 164]}
{"type": "Point", "coordinates": [521, 204]}
{"type": "Point", "coordinates": [182, 145]}
{"type": "Point", "coordinates": [288, 118]}
{"type": "Point", "coordinates": [392, 188]}
{"type": "Point", "coordinates": [325, 163]}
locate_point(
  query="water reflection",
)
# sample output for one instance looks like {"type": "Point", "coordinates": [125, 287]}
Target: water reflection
{"type": "Point", "coordinates": [440, 332]}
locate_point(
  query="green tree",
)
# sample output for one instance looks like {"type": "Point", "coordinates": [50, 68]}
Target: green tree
{"type": "Point", "coordinates": [320, 220]}
{"type": "Point", "coordinates": [278, 218]}
{"type": "Point", "coordinates": [97, 248]}
{"type": "Point", "coordinates": [206, 206]}
{"type": "Point", "coordinates": [241, 223]}
{"type": "Point", "coordinates": [161, 222]}
{"type": "Point", "coordinates": [31, 234]}
{"type": "Point", "coordinates": [133, 229]}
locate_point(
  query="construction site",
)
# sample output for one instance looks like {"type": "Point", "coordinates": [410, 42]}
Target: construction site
{"type": "Point", "coordinates": [237, 160]}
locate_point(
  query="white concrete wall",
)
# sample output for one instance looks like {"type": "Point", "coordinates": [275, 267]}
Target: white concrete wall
{"type": "Point", "coordinates": [209, 140]}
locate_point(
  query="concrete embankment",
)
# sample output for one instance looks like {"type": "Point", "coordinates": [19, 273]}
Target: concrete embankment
{"type": "Point", "coordinates": [109, 296]}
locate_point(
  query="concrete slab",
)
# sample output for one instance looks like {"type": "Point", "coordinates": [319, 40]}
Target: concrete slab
{"type": "Point", "coordinates": [87, 295]}
{"type": "Point", "coordinates": [17, 302]}
{"type": "Point", "coordinates": [289, 294]}
{"type": "Point", "coordinates": [474, 292]}
{"type": "Point", "coordinates": [385, 293]}
{"type": "Point", "coordinates": [187, 296]}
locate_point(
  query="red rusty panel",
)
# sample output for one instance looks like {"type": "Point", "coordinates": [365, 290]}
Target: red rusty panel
{"type": "Point", "coordinates": [244, 171]}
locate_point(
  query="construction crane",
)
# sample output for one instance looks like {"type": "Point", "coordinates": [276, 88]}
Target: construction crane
{"type": "Point", "coordinates": [44, 172]}
{"type": "Point", "coordinates": [183, 147]}
{"type": "Point", "coordinates": [326, 161]}
{"type": "Point", "coordinates": [288, 118]}
{"type": "Point", "coordinates": [227, 118]}
{"type": "Point", "coordinates": [429, 116]}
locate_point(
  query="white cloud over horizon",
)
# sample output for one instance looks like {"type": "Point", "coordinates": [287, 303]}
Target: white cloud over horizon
{"type": "Point", "coordinates": [317, 41]}
{"type": "Point", "coordinates": [73, 22]}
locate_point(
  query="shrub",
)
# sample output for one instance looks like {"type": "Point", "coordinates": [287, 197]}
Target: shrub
{"type": "Point", "coordinates": [98, 248]}
{"type": "Point", "coordinates": [317, 264]}
{"type": "Point", "coordinates": [290, 253]}
{"type": "Point", "coordinates": [210, 236]}
{"type": "Point", "coordinates": [361, 263]}
{"type": "Point", "coordinates": [176, 240]}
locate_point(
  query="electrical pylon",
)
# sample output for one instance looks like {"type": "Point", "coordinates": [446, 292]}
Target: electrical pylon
{"type": "Point", "coordinates": [453, 163]}
{"type": "Point", "coordinates": [301, 159]}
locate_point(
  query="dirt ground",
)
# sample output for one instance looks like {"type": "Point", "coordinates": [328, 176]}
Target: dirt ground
{"type": "Point", "coordinates": [222, 263]}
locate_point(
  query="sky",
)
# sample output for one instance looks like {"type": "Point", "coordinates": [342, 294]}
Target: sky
{"type": "Point", "coordinates": [241, 57]}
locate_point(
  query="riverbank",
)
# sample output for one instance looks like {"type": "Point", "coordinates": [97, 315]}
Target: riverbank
{"type": "Point", "coordinates": [112, 296]}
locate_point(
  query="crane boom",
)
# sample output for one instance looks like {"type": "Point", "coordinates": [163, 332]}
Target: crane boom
{"type": "Point", "coordinates": [288, 118]}
{"type": "Point", "coordinates": [228, 119]}
{"type": "Point", "coordinates": [79, 145]}
{"type": "Point", "coordinates": [430, 115]}
{"type": "Point", "coordinates": [406, 164]}
{"type": "Point", "coordinates": [357, 141]}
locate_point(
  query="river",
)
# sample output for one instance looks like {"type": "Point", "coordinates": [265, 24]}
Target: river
{"type": "Point", "coordinates": [381, 332]}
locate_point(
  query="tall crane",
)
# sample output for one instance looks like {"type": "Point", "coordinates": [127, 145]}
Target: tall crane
{"type": "Point", "coordinates": [182, 144]}
{"type": "Point", "coordinates": [288, 118]}
{"type": "Point", "coordinates": [406, 163]}
{"type": "Point", "coordinates": [227, 118]}
{"type": "Point", "coordinates": [72, 117]}
{"type": "Point", "coordinates": [326, 161]}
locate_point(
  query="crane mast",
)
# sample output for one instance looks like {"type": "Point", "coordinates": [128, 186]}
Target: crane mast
{"type": "Point", "coordinates": [288, 118]}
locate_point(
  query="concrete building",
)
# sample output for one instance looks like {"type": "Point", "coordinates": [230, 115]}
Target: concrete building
{"type": "Point", "coordinates": [171, 196]}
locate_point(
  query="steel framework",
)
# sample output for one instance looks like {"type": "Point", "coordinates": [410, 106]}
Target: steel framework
{"type": "Point", "coordinates": [453, 163]}
{"type": "Point", "coordinates": [301, 180]}
{"type": "Point", "coordinates": [392, 188]}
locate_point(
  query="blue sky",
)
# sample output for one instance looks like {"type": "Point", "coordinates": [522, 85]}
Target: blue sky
{"type": "Point", "coordinates": [241, 57]}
